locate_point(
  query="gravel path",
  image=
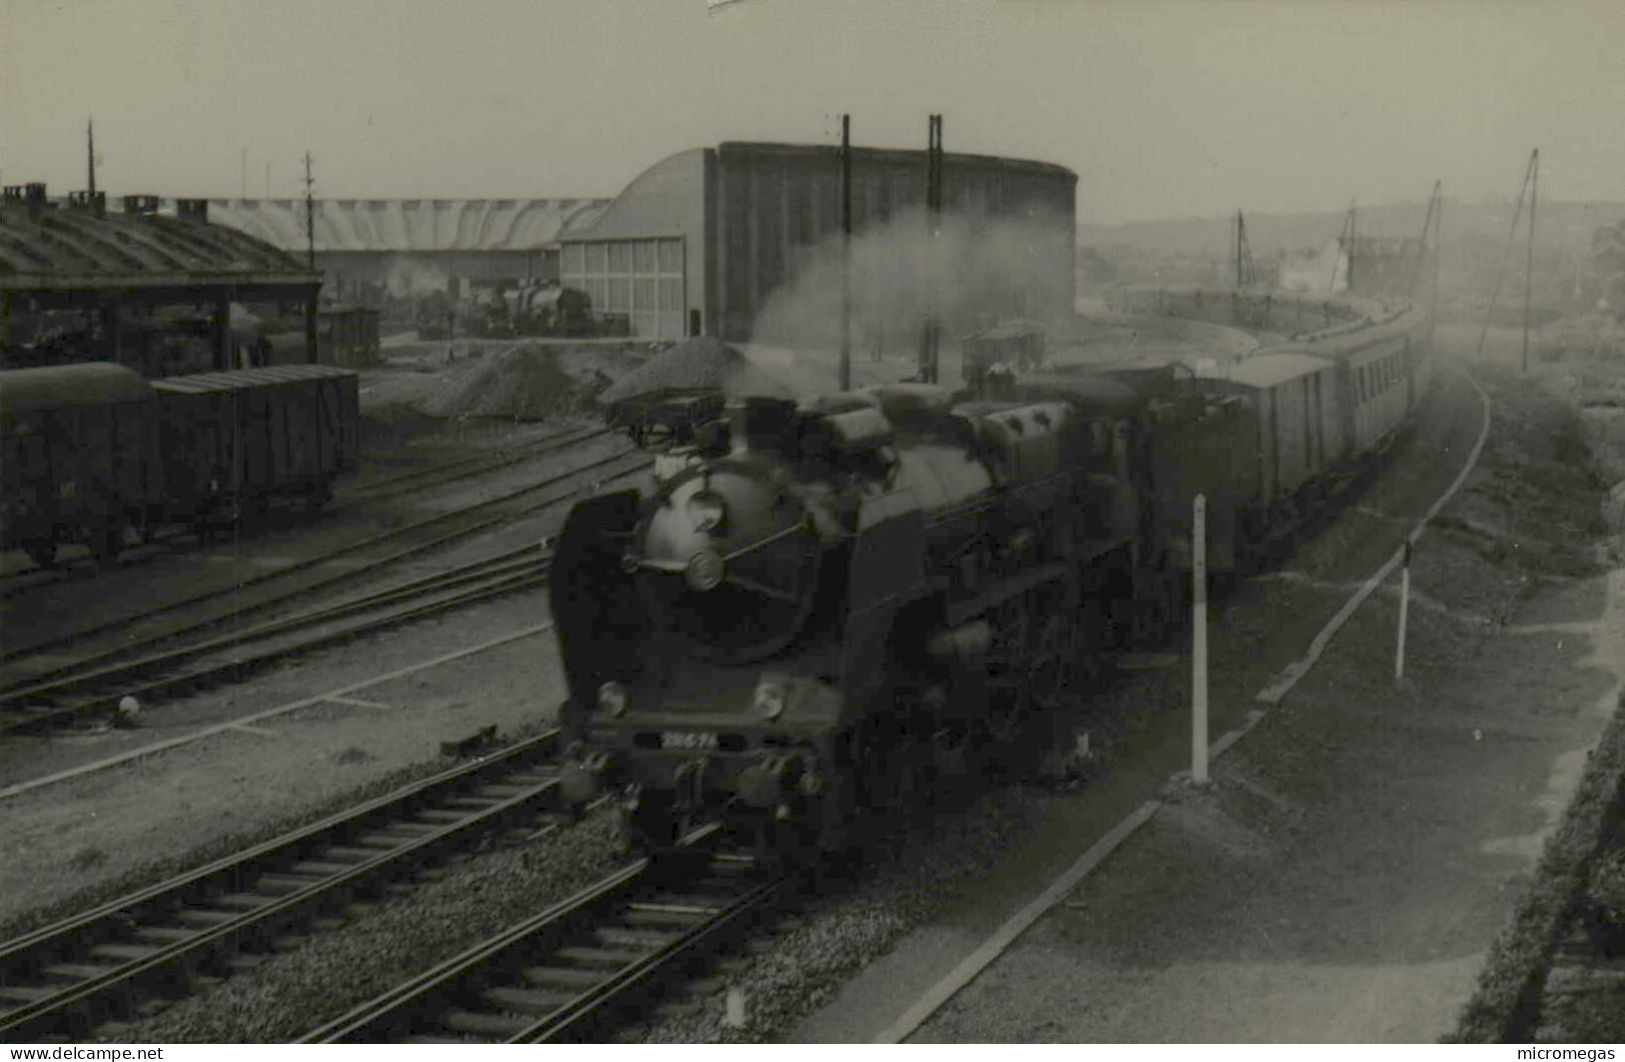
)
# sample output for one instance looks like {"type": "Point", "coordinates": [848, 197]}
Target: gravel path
{"type": "Point", "coordinates": [1361, 847]}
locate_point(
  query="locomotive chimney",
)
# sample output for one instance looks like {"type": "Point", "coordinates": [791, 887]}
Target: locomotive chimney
{"type": "Point", "coordinates": [92, 203]}
{"type": "Point", "coordinates": [140, 205]}
{"type": "Point", "coordinates": [34, 198]}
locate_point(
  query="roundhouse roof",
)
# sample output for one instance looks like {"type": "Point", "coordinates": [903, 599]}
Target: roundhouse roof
{"type": "Point", "coordinates": [404, 225]}
{"type": "Point", "coordinates": [52, 247]}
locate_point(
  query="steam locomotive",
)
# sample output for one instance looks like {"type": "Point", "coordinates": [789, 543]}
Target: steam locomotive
{"type": "Point", "coordinates": [819, 609]}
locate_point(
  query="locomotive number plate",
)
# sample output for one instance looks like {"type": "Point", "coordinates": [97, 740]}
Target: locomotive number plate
{"type": "Point", "coordinates": [687, 739]}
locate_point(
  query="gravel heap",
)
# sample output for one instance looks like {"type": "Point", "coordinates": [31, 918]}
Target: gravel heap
{"type": "Point", "coordinates": [703, 361]}
{"type": "Point", "coordinates": [296, 991]}
{"type": "Point", "coordinates": [524, 383]}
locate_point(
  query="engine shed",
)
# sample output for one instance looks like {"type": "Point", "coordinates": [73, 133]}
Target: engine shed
{"type": "Point", "coordinates": [699, 243]}
{"type": "Point", "coordinates": [80, 283]}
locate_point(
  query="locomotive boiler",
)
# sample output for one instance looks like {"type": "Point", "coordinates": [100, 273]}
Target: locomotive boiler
{"type": "Point", "coordinates": [820, 609]}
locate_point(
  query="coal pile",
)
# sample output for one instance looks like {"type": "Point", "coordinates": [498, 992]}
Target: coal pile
{"type": "Point", "coordinates": [701, 362]}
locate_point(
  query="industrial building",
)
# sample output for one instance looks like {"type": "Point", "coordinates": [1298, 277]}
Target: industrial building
{"type": "Point", "coordinates": [81, 283]}
{"type": "Point", "coordinates": [699, 240]}
{"type": "Point", "coordinates": [367, 249]}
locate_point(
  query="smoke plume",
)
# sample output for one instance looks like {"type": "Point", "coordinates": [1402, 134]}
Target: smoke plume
{"type": "Point", "coordinates": [971, 274]}
{"type": "Point", "coordinates": [1324, 270]}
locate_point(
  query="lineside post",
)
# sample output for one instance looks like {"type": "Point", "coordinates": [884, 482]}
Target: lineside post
{"type": "Point", "coordinates": [1404, 610]}
{"type": "Point", "coordinates": [1199, 640]}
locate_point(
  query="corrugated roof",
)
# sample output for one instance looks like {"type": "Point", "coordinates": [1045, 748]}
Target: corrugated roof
{"type": "Point", "coordinates": [205, 382]}
{"type": "Point", "coordinates": [409, 224]}
{"type": "Point", "coordinates": [59, 246]}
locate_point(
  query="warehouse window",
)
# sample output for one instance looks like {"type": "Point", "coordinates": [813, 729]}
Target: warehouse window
{"type": "Point", "coordinates": [641, 280]}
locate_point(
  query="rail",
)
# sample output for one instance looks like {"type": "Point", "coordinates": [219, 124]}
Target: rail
{"type": "Point", "coordinates": [67, 978]}
{"type": "Point", "coordinates": [570, 970]}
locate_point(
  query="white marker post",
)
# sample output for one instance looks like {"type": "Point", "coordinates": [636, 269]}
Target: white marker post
{"type": "Point", "coordinates": [1199, 640]}
{"type": "Point", "coordinates": [1404, 611]}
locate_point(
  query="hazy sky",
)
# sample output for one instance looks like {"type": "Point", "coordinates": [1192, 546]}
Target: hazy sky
{"type": "Point", "coordinates": [1163, 107]}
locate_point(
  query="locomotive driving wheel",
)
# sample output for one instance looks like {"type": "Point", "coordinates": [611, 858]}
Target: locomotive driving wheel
{"type": "Point", "coordinates": [1007, 701]}
{"type": "Point", "coordinates": [42, 551]}
{"type": "Point", "coordinates": [1053, 670]}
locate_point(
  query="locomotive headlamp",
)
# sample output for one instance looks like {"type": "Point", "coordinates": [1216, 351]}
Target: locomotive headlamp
{"type": "Point", "coordinates": [612, 698]}
{"type": "Point", "coordinates": [707, 509]}
{"type": "Point", "coordinates": [772, 694]}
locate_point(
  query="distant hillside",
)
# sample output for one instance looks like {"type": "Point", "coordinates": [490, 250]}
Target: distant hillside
{"type": "Point", "coordinates": [1563, 227]}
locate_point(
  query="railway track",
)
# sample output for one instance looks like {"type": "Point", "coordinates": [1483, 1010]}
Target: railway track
{"type": "Point", "coordinates": [50, 685]}
{"type": "Point", "coordinates": [77, 694]}
{"type": "Point", "coordinates": [66, 980]}
{"type": "Point", "coordinates": [572, 971]}
{"type": "Point", "coordinates": [166, 541]}
{"type": "Point", "coordinates": [431, 532]}
{"type": "Point", "coordinates": [466, 467]}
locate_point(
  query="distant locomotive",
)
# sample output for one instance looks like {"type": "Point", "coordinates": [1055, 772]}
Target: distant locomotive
{"type": "Point", "coordinates": [819, 607]}
{"type": "Point", "coordinates": [89, 451]}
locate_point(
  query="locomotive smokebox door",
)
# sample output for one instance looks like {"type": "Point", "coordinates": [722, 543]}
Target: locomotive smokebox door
{"type": "Point", "coordinates": [597, 612]}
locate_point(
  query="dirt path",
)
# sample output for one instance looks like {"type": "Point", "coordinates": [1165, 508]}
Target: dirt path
{"type": "Point", "coordinates": [1359, 849]}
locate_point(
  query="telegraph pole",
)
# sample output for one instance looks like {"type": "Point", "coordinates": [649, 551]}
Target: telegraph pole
{"type": "Point", "coordinates": [933, 211]}
{"type": "Point", "coordinates": [310, 217]}
{"type": "Point", "coordinates": [1529, 256]}
{"type": "Point", "coordinates": [1500, 270]}
{"type": "Point", "coordinates": [310, 259]}
{"type": "Point", "coordinates": [1430, 228]}
{"type": "Point", "coordinates": [846, 252]}
{"type": "Point", "coordinates": [90, 157]}
{"type": "Point", "coordinates": [1238, 249]}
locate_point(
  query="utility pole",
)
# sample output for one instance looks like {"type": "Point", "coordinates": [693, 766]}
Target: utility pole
{"type": "Point", "coordinates": [846, 252]}
{"type": "Point", "coordinates": [1529, 256]}
{"type": "Point", "coordinates": [1239, 224]}
{"type": "Point", "coordinates": [1345, 245]}
{"type": "Point", "coordinates": [1246, 272]}
{"type": "Point", "coordinates": [310, 259]}
{"type": "Point", "coordinates": [90, 157]}
{"type": "Point", "coordinates": [933, 210]}
{"type": "Point", "coordinates": [1430, 227]}
{"type": "Point", "coordinates": [1500, 270]}
{"type": "Point", "coordinates": [1354, 237]}
{"type": "Point", "coordinates": [310, 217]}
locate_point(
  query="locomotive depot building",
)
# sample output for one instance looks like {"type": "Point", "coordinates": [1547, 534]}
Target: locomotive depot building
{"type": "Point", "coordinates": [695, 244]}
{"type": "Point", "coordinates": [80, 282]}
{"type": "Point", "coordinates": [366, 247]}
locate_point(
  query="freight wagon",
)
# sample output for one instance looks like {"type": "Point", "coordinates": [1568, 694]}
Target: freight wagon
{"type": "Point", "coordinates": [90, 451]}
